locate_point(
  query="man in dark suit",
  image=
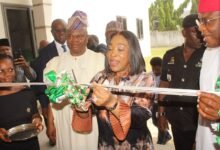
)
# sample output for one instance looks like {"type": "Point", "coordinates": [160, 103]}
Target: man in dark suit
{"type": "Point", "coordinates": [55, 48]}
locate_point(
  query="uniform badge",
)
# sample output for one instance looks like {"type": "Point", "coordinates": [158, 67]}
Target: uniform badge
{"type": "Point", "coordinates": [171, 60]}
{"type": "Point", "coordinates": [199, 64]}
{"type": "Point", "coordinates": [169, 77]}
{"type": "Point", "coordinates": [28, 110]}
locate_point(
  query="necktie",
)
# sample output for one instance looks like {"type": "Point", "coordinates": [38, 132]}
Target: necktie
{"type": "Point", "coordinates": [64, 48]}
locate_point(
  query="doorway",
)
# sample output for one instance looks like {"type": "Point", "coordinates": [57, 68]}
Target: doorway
{"type": "Point", "coordinates": [19, 29]}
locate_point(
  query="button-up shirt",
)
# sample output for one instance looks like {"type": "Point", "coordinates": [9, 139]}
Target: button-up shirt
{"type": "Point", "coordinates": [182, 112]}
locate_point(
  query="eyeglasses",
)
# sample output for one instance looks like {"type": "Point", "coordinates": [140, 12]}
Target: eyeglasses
{"type": "Point", "coordinates": [205, 22]}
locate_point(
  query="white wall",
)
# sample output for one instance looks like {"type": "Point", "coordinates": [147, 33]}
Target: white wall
{"type": "Point", "coordinates": [100, 12]}
{"type": "Point", "coordinates": [166, 38]}
{"type": "Point", "coordinates": [42, 12]}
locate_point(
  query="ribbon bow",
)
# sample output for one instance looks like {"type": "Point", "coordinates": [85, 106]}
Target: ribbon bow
{"type": "Point", "coordinates": [63, 87]}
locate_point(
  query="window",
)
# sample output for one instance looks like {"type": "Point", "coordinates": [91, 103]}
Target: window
{"type": "Point", "coordinates": [19, 29]}
{"type": "Point", "coordinates": [140, 34]}
{"type": "Point", "coordinates": [123, 20]}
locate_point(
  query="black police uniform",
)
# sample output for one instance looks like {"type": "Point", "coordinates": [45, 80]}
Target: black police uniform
{"type": "Point", "coordinates": [181, 111]}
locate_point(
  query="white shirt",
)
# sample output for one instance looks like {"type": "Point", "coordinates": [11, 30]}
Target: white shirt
{"type": "Point", "coordinates": [60, 50]}
{"type": "Point", "coordinates": [206, 136]}
{"type": "Point", "coordinates": [85, 67]}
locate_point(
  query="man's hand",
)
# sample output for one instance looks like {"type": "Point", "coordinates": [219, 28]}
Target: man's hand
{"type": "Point", "coordinates": [21, 62]}
{"type": "Point", "coordinates": [209, 106]}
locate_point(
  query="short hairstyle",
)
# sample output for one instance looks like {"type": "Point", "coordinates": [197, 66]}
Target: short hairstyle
{"type": "Point", "coordinates": [57, 21]}
{"type": "Point", "coordinates": [137, 63]}
{"type": "Point", "coordinates": [101, 48]}
{"type": "Point", "coordinates": [4, 42]}
{"type": "Point", "coordinates": [190, 21]}
{"type": "Point", "coordinates": [156, 61]}
{"type": "Point", "coordinates": [93, 42]}
{"type": "Point", "coordinates": [4, 56]}
{"type": "Point", "coordinates": [94, 37]}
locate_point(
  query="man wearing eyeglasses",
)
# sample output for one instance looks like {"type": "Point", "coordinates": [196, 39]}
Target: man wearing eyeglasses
{"type": "Point", "coordinates": [207, 137]}
{"type": "Point", "coordinates": [55, 48]}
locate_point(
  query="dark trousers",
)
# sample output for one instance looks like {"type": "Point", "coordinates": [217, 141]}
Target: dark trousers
{"type": "Point", "coordinates": [183, 140]}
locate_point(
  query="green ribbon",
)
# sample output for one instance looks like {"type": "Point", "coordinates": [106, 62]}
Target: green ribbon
{"type": "Point", "coordinates": [51, 76]}
{"type": "Point", "coordinates": [217, 88]}
{"type": "Point", "coordinates": [54, 93]}
{"type": "Point", "coordinates": [64, 88]}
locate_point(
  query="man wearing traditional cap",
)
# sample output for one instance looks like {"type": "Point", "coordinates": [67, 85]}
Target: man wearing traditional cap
{"type": "Point", "coordinates": [84, 64]}
{"type": "Point", "coordinates": [207, 137]}
{"type": "Point", "coordinates": [180, 69]}
{"type": "Point", "coordinates": [23, 70]}
{"type": "Point", "coordinates": [111, 28]}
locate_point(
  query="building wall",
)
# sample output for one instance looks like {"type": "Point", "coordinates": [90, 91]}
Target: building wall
{"type": "Point", "coordinates": [166, 38]}
{"type": "Point", "coordinates": [42, 11]}
{"type": "Point", "coordinates": [15, 2]}
{"type": "Point", "coordinates": [100, 12]}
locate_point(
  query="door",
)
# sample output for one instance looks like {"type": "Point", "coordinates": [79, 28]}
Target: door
{"type": "Point", "coordinates": [19, 29]}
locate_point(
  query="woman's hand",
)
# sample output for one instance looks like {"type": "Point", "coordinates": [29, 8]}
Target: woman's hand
{"type": "Point", "coordinates": [103, 97]}
{"type": "Point", "coordinates": [209, 106]}
{"type": "Point", "coordinates": [84, 106]}
{"type": "Point", "coordinates": [4, 135]}
{"type": "Point", "coordinates": [37, 121]}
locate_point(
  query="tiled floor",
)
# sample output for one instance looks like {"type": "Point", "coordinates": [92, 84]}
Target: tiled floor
{"type": "Point", "coordinates": [169, 146]}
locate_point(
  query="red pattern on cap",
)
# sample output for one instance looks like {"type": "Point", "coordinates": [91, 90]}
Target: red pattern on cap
{"type": "Point", "coordinates": [208, 6]}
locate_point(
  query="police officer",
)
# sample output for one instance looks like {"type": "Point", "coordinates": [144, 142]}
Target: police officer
{"type": "Point", "coordinates": [181, 69]}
